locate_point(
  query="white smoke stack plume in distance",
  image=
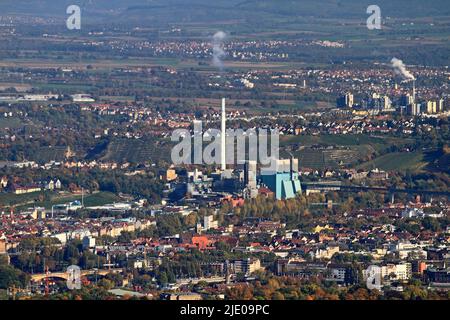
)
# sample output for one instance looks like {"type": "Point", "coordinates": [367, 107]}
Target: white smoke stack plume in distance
{"type": "Point", "coordinates": [400, 70]}
{"type": "Point", "coordinates": [218, 52]}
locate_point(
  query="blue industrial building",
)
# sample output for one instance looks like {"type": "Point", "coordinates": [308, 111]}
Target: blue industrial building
{"type": "Point", "coordinates": [283, 181]}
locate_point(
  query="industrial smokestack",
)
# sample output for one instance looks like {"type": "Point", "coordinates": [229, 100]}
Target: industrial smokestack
{"type": "Point", "coordinates": [414, 91]}
{"type": "Point", "coordinates": [291, 168]}
{"type": "Point", "coordinates": [223, 137]}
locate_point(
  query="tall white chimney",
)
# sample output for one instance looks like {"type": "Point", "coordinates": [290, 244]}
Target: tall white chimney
{"type": "Point", "coordinates": [223, 137]}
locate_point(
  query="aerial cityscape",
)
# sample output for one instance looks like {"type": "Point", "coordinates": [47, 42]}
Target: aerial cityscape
{"type": "Point", "coordinates": [228, 150]}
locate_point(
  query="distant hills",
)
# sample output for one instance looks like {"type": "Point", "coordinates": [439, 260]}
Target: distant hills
{"type": "Point", "coordinates": [204, 10]}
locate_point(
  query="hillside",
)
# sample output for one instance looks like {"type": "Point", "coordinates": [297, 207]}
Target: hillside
{"type": "Point", "coordinates": [135, 151]}
{"type": "Point", "coordinates": [177, 10]}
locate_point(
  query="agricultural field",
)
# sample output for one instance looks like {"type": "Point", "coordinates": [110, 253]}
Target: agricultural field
{"type": "Point", "coordinates": [47, 154]}
{"type": "Point", "coordinates": [337, 151]}
{"type": "Point", "coordinates": [397, 161]}
{"type": "Point", "coordinates": [135, 151]}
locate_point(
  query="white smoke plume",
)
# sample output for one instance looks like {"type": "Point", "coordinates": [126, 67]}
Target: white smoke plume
{"type": "Point", "coordinates": [218, 52]}
{"type": "Point", "coordinates": [400, 70]}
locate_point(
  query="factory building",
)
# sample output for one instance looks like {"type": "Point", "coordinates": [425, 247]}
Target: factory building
{"type": "Point", "coordinates": [282, 179]}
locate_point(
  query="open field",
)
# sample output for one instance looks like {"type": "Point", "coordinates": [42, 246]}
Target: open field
{"type": "Point", "coordinates": [95, 199]}
{"type": "Point", "coordinates": [135, 151]}
{"type": "Point", "coordinates": [343, 140]}
{"type": "Point", "coordinates": [10, 199]}
{"type": "Point", "coordinates": [397, 161]}
{"type": "Point", "coordinates": [140, 62]}
{"type": "Point", "coordinates": [334, 151]}
{"type": "Point", "coordinates": [47, 199]}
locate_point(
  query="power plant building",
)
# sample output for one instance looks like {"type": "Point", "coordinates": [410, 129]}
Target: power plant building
{"type": "Point", "coordinates": [283, 179]}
